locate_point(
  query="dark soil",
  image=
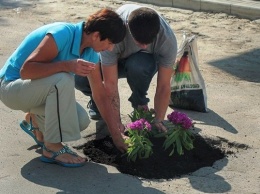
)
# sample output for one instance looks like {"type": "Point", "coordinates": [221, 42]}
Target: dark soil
{"type": "Point", "coordinates": [160, 165]}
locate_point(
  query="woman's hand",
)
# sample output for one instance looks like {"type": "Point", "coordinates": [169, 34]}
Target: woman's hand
{"type": "Point", "coordinates": [82, 67]}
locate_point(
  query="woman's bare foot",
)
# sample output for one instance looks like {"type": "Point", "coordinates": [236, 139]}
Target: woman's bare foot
{"type": "Point", "coordinates": [37, 133]}
{"type": "Point", "coordinates": [66, 158]}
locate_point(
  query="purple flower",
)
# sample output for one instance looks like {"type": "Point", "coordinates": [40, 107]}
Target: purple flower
{"type": "Point", "coordinates": [180, 119]}
{"type": "Point", "coordinates": [148, 126]}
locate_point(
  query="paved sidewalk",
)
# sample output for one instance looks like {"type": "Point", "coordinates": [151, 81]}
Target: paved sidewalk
{"type": "Point", "coordinates": [229, 60]}
{"type": "Point", "coordinates": [249, 9]}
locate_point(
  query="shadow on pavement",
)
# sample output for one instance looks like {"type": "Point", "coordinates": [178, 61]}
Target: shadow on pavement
{"type": "Point", "coordinates": [210, 118]}
{"type": "Point", "coordinates": [245, 66]}
{"type": "Point", "coordinates": [206, 181]}
{"type": "Point", "coordinates": [91, 178]}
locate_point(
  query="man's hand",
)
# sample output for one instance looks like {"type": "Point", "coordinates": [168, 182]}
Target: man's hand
{"type": "Point", "coordinates": [119, 142]}
{"type": "Point", "coordinates": [122, 128]}
{"type": "Point", "coordinates": [160, 126]}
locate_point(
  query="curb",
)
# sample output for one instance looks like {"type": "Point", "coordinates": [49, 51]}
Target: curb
{"type": "Point", "coordinates": [248, 9]}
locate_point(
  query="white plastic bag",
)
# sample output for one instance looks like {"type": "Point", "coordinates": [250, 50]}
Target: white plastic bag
{"type": "Point", "coordinates": [188, 89]}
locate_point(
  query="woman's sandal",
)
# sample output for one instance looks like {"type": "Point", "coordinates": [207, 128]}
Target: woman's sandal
{"type": "Point", "coordinates": [64, 150]}
{"type": "Point", "coordinates": [28, 128]}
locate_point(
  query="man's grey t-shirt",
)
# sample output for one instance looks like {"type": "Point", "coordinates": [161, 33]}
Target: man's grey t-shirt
{"type": "Point", "coordinates": [164, 47]}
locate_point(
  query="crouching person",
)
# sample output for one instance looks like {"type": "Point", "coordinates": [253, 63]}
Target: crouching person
{"type": "Point", "coordinates": [38, 79]}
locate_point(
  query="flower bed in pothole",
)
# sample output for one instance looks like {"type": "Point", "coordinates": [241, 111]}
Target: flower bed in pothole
{"type": "Point", "coordinates": [160, 165]}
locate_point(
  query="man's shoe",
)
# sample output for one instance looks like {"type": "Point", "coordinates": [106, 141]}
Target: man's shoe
{"type": "Point", "coordinates": [93, 110]}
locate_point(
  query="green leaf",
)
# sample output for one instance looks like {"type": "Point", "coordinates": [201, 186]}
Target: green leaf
{"type": "Point", "coordinates": [129, 149]}
{"type": "Point", "coordinates": [184, 135]}
{"type": "Point", "coordinates": [174, 133]}
{"type": "Point", "coordinates": [170, 131]}
{"type": "Point", "coordinates": [189, 139]}
{"type": "Point", "coordinates": [179, 147]}
{"type": "Point", "coordinates": [171, 139]}
{"type": "Point", "coordinates": [172, 152]}
{"type": "Point", "coordinates": [133, 139]}
{"type": "Point", "coordinates": [148, 143]}
{"type": "Point", "coordinates": [160, 135]}
{"type": "Point", "coordinates": [128, 141]}
{"type": "Point", "coordinates": [134, 158]}
{"type": "Point", "coordinates": [169, 142]}
{"type": "Point", "coordinates": [133, 153]}
{"type": "Point", "coordinates": [147, 152]}
{"type": "Point", "coordinates": [186, 145]}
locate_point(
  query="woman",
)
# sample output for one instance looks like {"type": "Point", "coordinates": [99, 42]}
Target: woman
{"type": "Point", "coordinates": [38, 78]}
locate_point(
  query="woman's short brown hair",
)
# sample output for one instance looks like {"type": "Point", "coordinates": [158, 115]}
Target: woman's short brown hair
{"type": "Point", "coordinates": [108, 23]}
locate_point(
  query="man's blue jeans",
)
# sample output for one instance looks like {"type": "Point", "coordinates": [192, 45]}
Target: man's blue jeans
{"type": "Point", "coordinates": [138, 69]}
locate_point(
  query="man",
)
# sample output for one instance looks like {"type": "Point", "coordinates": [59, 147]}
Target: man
{"type": "Point", "coordinates": [149, 46]}
{"type": "Point", "coordinates": [38, 78]}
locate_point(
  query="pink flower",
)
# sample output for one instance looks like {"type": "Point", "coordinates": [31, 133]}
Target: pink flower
{"type": "Point", "coordinates": [180, 119]}
{"type": "Point", "coordinates": [140, 124]}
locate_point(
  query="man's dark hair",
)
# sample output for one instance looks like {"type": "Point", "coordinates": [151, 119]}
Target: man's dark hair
{"type": "Point", "coordinates": [109, 25]}
{"type": "Point", "coordinates": [144, 25]}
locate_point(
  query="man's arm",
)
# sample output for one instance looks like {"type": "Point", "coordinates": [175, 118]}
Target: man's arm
{"type": "Point", "coordinates": [162, 95]}
{"type": "Point", "coordinates": [107, 100]}
{"type": "Point", "coordinates": [110, 78]}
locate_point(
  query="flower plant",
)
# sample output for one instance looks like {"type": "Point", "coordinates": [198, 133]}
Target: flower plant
{"type": "Point", "coordinates": [178, 136]}
{"type": "Point", "coordinates": [178, 133]}
{"type": "Point", "coordinates": [142, 112]}
{"type": "Point", "coordinates": [138, 141]}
